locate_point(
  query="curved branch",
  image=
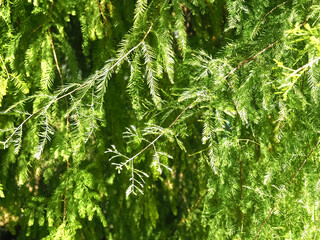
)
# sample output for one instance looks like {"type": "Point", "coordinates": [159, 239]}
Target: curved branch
{"type": "Point", "coordinates": [78, 88]}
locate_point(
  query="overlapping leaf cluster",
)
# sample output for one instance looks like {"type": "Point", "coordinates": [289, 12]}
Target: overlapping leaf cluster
{"type": "Point", "coordinates": [159, 119]}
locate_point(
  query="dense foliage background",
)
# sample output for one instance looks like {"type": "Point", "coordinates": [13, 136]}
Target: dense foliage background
{"type": "Point", "coordinates": [162, 119]}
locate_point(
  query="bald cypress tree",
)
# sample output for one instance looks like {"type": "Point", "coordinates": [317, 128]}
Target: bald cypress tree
{"type": "Point", "coordinates": [159, 119]}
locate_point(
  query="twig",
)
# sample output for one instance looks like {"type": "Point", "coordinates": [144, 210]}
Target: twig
{"type": "Point", "coordinates": [57, 65]}
{"type": "Point", "coordinates": [302, 68]}
{"type": "Point", "coordinates": [192, 208]}
{"type": "Point", "coordinates": [192, 154]}
{"type": "Point", "coordinates": [288, 184]}
{"type": "Point", "coordinates": [55, 56]}
{"type": "Point", "coordinates": [248, 140]}
{"type": "Point", "coordinates": [101, 12]}
{"type": "Point", "coordinates": [290, 85]}
{"type": "Point", "coordinates": [264, 18]}
{"type": "Point", "coordinates": [241, 187]}
{"type": "Point", "coordinates": [134, 48]}
{"type": "Point", "coordinates": [103, 16]}
{"type": "Point", "coordinates": [21, 125]}
{"type": "Point", "coordinates": [79, 87]}
{"type": "Point", "coordinates": [82, 236]}
{"type": "Point", "coordinates": [250, 59]}
{"type": "Point", "coordinates": [37, 28]}
{"type": "Point", "coordinates": [67, 180]}
{"type": "Point", "coordinates": [65, 195]}
{"type": "Point", "coordinates": [191, 104]}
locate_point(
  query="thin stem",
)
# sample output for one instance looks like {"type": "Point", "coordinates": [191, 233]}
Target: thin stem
{"type": "Point", "coordinates": [55, 56]}
{"type": "Point", "coordinates": [37, 28]}
{"type": "Point", "coordinates": [192, 208]}
{"type": "Point", "coordinates": [250, 59]}
{"type": "Point", "coordinates": [57, 65]}
{"type": "Point", "coordinates": [241, 187]}
{"type": "Point", "coordinates": [78, 88]}
{"type": "Point", "coordinates": [248, 140]}
{"type": "Point", "coordinates": [134, 48]}
{"type": "Point", "coordinates": [264, 18]}
{"type": "Point", "coordinates": [83, 238]}
{"type": "Point", "coordinates": [65, 195]}
{"type": "Point", "coordinates": [192, 103]}
{"type": "Point", "coordinates": [66, 190]}
{"type": "Point", "coordinates": [288, 184]}
{"type": "Point", "coordinates": [21, 125]}
{"type": "Point", "coordinates": [300, 69]}
{"type": "Point", "coordinates": [103, 16]}
{"type": "Point", "coordinates": [196, 153]}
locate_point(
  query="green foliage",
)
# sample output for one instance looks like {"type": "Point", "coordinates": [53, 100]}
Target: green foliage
{"type": "Point", "coordinates": [159, 119]}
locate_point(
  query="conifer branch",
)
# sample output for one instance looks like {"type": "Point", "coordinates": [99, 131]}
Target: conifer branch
{"type": "Point", "coordinates": [200, 97]}
{"type": "Point", "coordinates": [227, 117]}
{"type": "Point", "coordinates": [78, 88]}
{"type": "Point", "coordinates": [287, 186]}
{"type": "Point", "coordinates": [289, 85]}
{"type": "Point", "coordinates": [57, 64]}
{"type": "Point", "coordinates": [265, 16]}
{"type": "Point", "coordinates": [21, 125]}
{"type": "Point", "coordinates": [135, 47]}
{"type": "Point", "coordinates": [250, 59]}
{"type": "Point", "coordinates": [301, 68]}
{"type": "Point", "coordinates": [44, 135]}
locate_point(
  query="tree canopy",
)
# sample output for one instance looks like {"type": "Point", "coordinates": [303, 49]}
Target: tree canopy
{"type": "Point", "coordinates": [159, 119]}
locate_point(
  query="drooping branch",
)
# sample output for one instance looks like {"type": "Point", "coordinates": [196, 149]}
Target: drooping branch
{"type": "Point", "coordinates": [77, 88]}
{"type": "Point", "coordinates": [200, 97]}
